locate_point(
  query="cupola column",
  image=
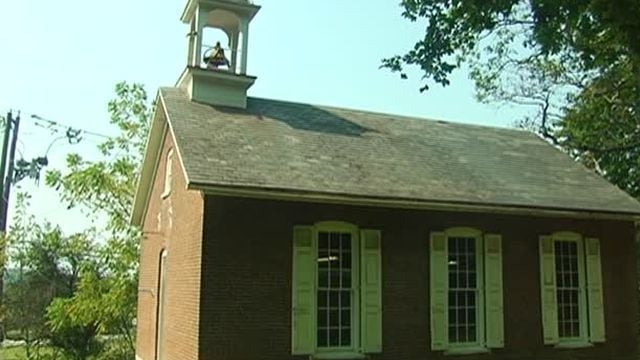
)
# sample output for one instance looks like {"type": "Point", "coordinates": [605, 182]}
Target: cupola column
{"type": "Point", "coordinates": [244, 26]}
{"type": "Point", "coordinates": [192, 44]}
{"type": "Point", "coordinates": [234, 38]}
{"type": "Point", "coordinates": [201, 23]}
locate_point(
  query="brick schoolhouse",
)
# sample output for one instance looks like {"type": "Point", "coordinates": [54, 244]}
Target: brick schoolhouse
{"type": "Point", "coordinates": [277, 230]}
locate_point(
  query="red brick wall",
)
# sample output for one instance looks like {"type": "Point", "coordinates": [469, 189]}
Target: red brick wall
{"type": "Point", "coordinates": [246, 282]}
{"type": "Point", "coordinates": [173, 223]}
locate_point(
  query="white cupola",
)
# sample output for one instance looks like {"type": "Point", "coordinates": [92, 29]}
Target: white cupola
{"type": "Point", "coordinates": [216, 74]}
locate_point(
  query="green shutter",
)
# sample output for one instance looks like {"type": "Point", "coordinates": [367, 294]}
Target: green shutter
{"type": "Point", "coordinates": [493, 290]}
{"type": "Point", "coordinates": [303, 299]}
{"type": "Point", "coordinates": [548, 290]}
{"type": "Point", "coordinates": [594, 291]}
{"type": "Point", "coordinates": [371, 291]}
{"type": "Point", "coordinates": [439, 284]}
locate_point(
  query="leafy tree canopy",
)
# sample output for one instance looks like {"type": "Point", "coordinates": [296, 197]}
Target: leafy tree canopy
{"type": "Point", "coordinates": [576, 63]}
{"type": "Point", "coordinates": [89, 279]}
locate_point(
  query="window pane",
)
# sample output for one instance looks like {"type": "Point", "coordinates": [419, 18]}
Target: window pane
{"type": "Point", "coordinates": [322, 338]}
{"type": "Point", "coordinates": [345, 242]}
{"type": "Point", "coordinates": [453, 247]}
{"type": "Point", "coordinates": [575, 329]}
{"type": "Point", "coordinates": [471, 299]}
{"type": "Point", "coordinates": [453, 280]}
{"type": "Point", "coordinates": [334, 241]}
{"type": "Point", "coordinates": [345, 337]}
{"type": "Point", "coordinates": [462, 315]}
{"type": "Point", "coordinates": [472, 280]}
{"type": "Point", "coordinates": [453, 300]}
{"type": "Point", "coordinates": [334, 337]}
{"type": "Point", "coordinates": [334, 279]}
{"type": "Point", "coordinates": [322, 318]}
{"type": "Point", "coordinates": [323, 240]}
{"type": "Point", "coordinates": [322, 299]}
{"type": "Point", "coordinates": [462, 298]}
{"type": "Point", "coordinates": [345, 299]}
{"type": "Point", "coordinates": [346, 317]}
{"type": "Point", "coordinates": [346, 279]}
{"type": "Point", "coordinates": [471, 245]}
{"type": "Point", "coordinates": [471, 334]}
{"type": "Point", "coordinates": [334, 318]}
{"type": "Point", "coordinates": [453, 315]}
{"type": "Point", "coordinates": [462, 333]}
{"type": "Point", "coordinates": [345, 260]}
{"type": "Point", "coordinates": [323, 278]}
{"type": "Point", "coordinates": [471, 317]}
{"type": "Point", "coordinates": [462, 280]}
{"type": "Point", "coordinates": [453, 334]}
{"type": "Point", "coordinates": [333, 299]}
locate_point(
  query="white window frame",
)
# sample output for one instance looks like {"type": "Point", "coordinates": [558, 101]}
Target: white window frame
{"type": "Point", "coordinates": [480, 342]}
{"type": "Point", "coordinates": [583, 316]}
{"type": "Point", "coordinates": [353, 350]}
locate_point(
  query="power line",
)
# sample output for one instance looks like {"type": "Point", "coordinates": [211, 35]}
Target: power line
{"type": "Point", "coordinates": [22, 168]}
{"type": "Point", "coordinates": [51, 124]}
{"type": "Point", "coordinates": [58, 124]}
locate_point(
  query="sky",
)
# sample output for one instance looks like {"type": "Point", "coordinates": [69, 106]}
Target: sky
{"type": "Point", "coordinates": [61, 61]}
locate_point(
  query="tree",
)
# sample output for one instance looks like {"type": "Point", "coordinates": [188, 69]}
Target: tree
{"type": "Point", "coordinates": [577, 63]}
{"type": "Point", "coordinates": [107, 292]}
{"type": "Point", "coordinates": [47, 266]}
{"type": "Point", "coordinates": [92, 274]}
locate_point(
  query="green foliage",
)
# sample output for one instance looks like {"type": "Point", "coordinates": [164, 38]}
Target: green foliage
{"type": "Point", "coordinates": [107, 186]}
{"type": "Point", "coordinates": [602, 127]}
{"type": "Point", "coordinates": [73, 332]}
{"type": "Point", "coordinates": [47, 266]}
{"type": "Point", "coordinates": [599, 32]}
{"type": "Point", "coordinates": [91, 275]}
{"type": "Point", "coordinates": [574, 64]}
{"type": "Point", "coordinates": [107, 293]}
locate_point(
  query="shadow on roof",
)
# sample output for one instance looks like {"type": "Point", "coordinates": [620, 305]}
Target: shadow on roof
{"type": "Point", "coordinates": [306, 117]}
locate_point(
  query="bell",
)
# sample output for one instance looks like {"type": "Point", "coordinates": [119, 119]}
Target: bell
{"type": "Point", "coordinates": [214, 58]}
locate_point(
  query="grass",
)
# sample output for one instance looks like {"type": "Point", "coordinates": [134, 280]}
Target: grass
{"type": "Point", "coordinates": [13, 353]}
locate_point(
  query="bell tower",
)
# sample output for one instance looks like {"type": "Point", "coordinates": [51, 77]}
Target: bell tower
{"type": "Point", "coordinates": [216, 74]}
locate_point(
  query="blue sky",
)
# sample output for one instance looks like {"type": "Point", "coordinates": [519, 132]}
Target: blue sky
{"type": "Point", "coordinates": [61, 60]}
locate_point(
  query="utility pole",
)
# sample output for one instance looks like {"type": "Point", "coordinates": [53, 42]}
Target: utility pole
{"type": "Point", "coordinates": [5, 190]}
{"type": "Point", "coordinates": [5, 146]}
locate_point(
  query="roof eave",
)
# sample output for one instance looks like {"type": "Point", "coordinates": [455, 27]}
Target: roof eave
{"type": "Point", "coordinates": [419, 204]}
{"type": "Point", "coordinates": [149, 164]}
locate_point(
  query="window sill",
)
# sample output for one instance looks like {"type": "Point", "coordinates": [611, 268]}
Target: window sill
{"type": "Point", "coordinates": [339, 356]}
{"type": "Point", "coordinates": [573, 345]}
{"type": "Point", "coordinates": [467, 351]}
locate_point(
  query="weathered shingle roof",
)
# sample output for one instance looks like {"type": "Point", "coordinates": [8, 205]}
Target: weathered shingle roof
{"type": "Point", "coordinates": [299, 147]}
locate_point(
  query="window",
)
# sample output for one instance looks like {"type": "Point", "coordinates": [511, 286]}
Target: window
{"type": "Point", "coordinates": [571, 278]}
{"type": "Point", "coordinates": [466, 274]}
{"type": "Point", "coordinates": [168, 174]}
{"type": "Point", "coordinates": [569, 289]}
{"type": "Point", "coordinates": [465, 291]}
{"type": "Point", "coordinates": [336, 290]}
